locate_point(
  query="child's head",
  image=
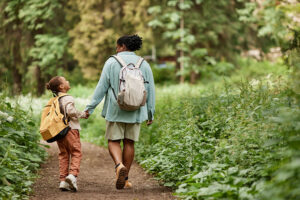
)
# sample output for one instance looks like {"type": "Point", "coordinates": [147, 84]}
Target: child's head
{"type": "Point", "coordinates": [58, 84]}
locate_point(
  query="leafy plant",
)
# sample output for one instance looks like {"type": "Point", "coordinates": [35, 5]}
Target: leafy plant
{"type": "Point", "coordinates": [223, 144]}
{"type": "Point", "coordinates": [20, 151]}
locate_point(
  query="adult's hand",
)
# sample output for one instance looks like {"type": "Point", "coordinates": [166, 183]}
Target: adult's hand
{"type": "Point", "coordinates": [87, 114]}
{"type": "Point", "coordinates": [149, 122]}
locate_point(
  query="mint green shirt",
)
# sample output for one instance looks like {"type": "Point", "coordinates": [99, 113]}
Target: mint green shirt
{"type": "Point", "coordinates": [110, 79]}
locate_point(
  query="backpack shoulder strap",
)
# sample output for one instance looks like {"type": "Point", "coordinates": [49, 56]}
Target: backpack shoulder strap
{"type": "Point", "coordinates": [66, 119]}
{"type": "Point", "coordinates": [139, 63]}
{"type": "Point", "coordinates": [120, 60]}
{"type": "Point", "coordinates": [62, 95]}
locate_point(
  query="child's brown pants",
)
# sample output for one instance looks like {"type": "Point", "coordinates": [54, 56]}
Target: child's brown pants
{"type": "Point", "coordinates": [70, 148]}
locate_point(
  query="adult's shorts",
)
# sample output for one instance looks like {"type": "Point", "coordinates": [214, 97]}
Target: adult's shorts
{"type": "Point", "coordinates": [120, 130]}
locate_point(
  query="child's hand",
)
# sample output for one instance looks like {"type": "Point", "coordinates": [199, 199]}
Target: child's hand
{"type": "Point", "coordinates": [86, 114]}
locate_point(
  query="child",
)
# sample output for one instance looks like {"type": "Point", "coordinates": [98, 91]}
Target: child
{"type": "Point", "coordinates": [69, 146]}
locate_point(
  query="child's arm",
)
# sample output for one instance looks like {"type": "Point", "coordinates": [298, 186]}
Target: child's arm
{"type": "Point", "coordinates": [70, 109]}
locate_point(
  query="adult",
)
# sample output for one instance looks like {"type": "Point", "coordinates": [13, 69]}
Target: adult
{"type": "Point", "coordinates": [123, 125]}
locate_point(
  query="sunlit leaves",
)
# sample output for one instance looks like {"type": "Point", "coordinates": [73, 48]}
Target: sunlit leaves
{"type": "Point", "coordinates": [48, 52]}
{"type": "Point", "coordinates": [101, 24]}
{"type": "Point", "coordinates": [37, 13]}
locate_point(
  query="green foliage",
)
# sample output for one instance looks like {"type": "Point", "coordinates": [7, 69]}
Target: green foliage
{"type": "Point", "coordinates": [277, 20]}
{"type": "Point", "coordinates": [35, 39]}
{"type": "Point", "coordinates": [205, 36]}
{"type": "Point", "coordinates": [20, 151]}
{"type": "Point", "coordinates": [75, 76]}
{"type": "Point", "coordinates": [238, 143]}
{"type": "Point", "coordinates": [44, 38]}
{"type": "Point", "coordinates": [251, 70]}
{"type": "Point", "coordinates": [285, 180]}
{"type": "Point", "coordinates": [163, 74]}
{"type": "Point", "coordinates": [227, 140]}
{"type": "Point", "coordinates": [217, 140]}
{"type": "Point", "coordinates": [36, 14]}
{"type": "Point", "coordinates": [49, 52]}
{"type": "Point", "coordinates": [93, 129]}
{"type": "Point", "coordinates": [101, 24]}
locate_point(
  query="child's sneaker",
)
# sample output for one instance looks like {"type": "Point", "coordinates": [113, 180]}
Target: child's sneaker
{"type": "Point", "coordinates": [128, 185]}
{"type": "Point", "coordinates": [71, 179]}
{"type": "Point", "coordinates": [121, 172]}
{"type": "Point", "coordinates": [64, 186]}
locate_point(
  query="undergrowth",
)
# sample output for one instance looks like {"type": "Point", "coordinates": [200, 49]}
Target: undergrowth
{"type": "Point", "coordinates": [226, 144]}
{"type": "Point", "coordinates": [20, 151]}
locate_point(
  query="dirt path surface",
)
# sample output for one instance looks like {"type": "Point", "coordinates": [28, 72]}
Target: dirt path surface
{"type": "Point", "coordinates": [96, 179]}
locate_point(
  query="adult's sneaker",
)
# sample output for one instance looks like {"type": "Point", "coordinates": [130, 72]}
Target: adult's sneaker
{"type": "Point", "coordinates": [71, 179]}
{"type": "Point", "coordinates": [64, 186]}
{"type": "Point", "coordinates": [121, 172]}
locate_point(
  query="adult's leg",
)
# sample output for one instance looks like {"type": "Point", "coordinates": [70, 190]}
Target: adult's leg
{"type": "Point", "coordinates": [115, 150]}
{"type": "Point", "coordinates": [128, 153]}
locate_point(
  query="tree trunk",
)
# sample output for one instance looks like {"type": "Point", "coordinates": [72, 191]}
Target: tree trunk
{"type": "Point", "coordinates": [193, 77]}
{"type": "Point", "coordinates": [40, 81]}
{"type": "Point", "coordinates": [17, 61]}
{"type": "Point", "coordinates": [181, 68]}
{"type": "Point", "coordinates": [181, 50]}
{"type": "Point", "coordinates": [17, 77]}
{"type": "Point", "coordinates": [177, 65]}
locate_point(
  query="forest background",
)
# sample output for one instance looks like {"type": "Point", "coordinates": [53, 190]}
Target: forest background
{"type": "Point", "coordinates": [230, 130]}
{"type": "Point", "coordinates": [183, 40]}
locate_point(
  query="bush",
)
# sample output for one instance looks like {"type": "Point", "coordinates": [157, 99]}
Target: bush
{"type": "Point", "coordinates": [164, 73]}
{"type": "Point", "coordinates": [223, 144]}
{"type": "Point", "coordinates": [20, 151]}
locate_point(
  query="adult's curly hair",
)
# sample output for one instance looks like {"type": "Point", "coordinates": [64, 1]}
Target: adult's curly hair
{"type": "Point", "coordinates": [132, 42]}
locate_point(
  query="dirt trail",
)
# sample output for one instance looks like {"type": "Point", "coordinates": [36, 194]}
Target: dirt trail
{"type": "Point", "coordinates": [96, 179]}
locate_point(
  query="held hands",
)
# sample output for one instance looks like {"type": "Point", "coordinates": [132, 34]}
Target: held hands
{"type": "Point", "coordinates": [86, 114]}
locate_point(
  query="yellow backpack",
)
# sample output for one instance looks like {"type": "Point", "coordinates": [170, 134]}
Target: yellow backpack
{"type": "Point", "coordinates": [54, 125]}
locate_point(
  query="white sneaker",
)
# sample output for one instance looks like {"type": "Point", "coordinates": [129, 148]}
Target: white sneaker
{"type": "Point", "coordinates": [71, 179]}
{"type": "Point", "coordinates": [64, 186]}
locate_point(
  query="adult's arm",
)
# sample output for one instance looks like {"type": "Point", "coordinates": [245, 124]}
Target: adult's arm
{"type": "Point", "coordinates": [150, 93]}
{"type": "Point", "coordinates": [101, 88]}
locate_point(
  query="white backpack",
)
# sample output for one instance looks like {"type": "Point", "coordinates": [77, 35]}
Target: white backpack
{"type": "Point", "coordinates": [132, 94]}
